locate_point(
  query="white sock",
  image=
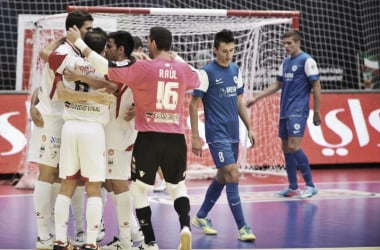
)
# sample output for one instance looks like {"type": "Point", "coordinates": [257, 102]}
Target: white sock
{"type": "Point", "coordinates": [124, 212]}
{"type": "Point", "coordinates": [77, 205]}
{"type": "Point", "coordinates": [61, 216]}
{"type": "Point", "coordinates": [54, 194]}
{"type": "Point", "coordinates": [93, 217]}
{"type": "Point", "coordinates": [42, 204]}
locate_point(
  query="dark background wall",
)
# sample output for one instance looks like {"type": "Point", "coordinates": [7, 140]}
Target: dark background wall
{"type": "Point", "coordinates": [334, 32]}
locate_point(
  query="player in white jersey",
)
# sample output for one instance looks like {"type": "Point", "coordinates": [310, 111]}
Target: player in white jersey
{"type": "Point", "coordinates": [120, 137]}
{"type": "Point", "coordinates": [44, 144]}
{"type": "Point", "coordinates": [83, 145]}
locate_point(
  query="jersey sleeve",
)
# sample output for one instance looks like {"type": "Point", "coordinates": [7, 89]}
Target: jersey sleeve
{"type": "Point", "coordinates": [311, 69]}
{"type": "Point", "coordinates": [240, 84]}
{"type": "Point", "coordinates": [204, 83]}
{"type": "Point", "coordinates": [280, 73]}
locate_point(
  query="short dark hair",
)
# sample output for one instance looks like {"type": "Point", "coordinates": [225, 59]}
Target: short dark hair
{"type": "Point", "coordinates": [223, 36]}
{"type": "Point", "coordinates": [137, 41]}
{"type": "Point", "coordinates": [292, 33]}
{"type": "Point", "coordinates": [96, 39]}
{"type": "Point", "coordinates": [123, 38]}
{"type": "Point", "coordinates": [162, 37]}
{"type": "Point", "coordinates": [77, 18]}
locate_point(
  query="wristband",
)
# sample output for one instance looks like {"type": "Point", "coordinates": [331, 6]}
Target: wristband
{"type": "Point", "coordinates": [80, 44]}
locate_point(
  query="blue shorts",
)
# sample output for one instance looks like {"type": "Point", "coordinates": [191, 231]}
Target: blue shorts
{"type": "Point", "coordinates": [292, 127]}
{"type": "Point", "coordinates": [224, 153]}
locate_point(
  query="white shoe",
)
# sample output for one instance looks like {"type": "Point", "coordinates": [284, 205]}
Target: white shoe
{"type": "Point", "coordinates": [116, 244]}
{"type": "Point", "coordinates": [160, 187]}
{"type": "Point", "coordinates": [79, 239]}
{"type": "Point", "coordinates": [102, 231]}
{"type": "Point", "coordinates": [185, 239]}
{"type": "Point", "coordinates": [137, 235]}
{"type": "Point", "coordinates": [45, 244]}
{"type": "Point", "coordinates": [150, 246]}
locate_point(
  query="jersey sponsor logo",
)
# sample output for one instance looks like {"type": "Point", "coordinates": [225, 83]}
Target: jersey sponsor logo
{"type": "Point", "coordinates": [160, 117]}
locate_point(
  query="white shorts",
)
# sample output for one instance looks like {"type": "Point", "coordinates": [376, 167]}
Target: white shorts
{"type": "Point", "coordinates": [83, 151]}
{"type": "Point", "coordinates": [44, 145]}
{"type": "Point", "coordinates": [118, 164]}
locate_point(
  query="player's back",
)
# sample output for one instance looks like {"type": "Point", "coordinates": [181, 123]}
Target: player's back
{"type": "Point", "coordinates": [159, 88]}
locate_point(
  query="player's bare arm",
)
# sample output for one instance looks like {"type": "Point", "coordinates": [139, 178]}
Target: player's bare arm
{"type": "Point", "coordinates": [45, 52]}
{"type": "Point", "coordinates": [242, 109]}
{"type": "Point", "coordinates": [317, 101]}
{"type": "Point", "coordinates": [34, 112]}
{"type": "Point", "coordinates": [97, 61]}
{"type": "Point", "coordinates": [273, 88]}
{"type": "Point", "coordinates": [196, 139]}
{"type": "Point", "coordinates": [100, 96]}
{"type": "Point", "coordinates": [92, 81]}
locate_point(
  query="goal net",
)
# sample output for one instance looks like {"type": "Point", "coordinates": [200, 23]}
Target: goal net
{"type": "Point", "coordinates": [258, 52]}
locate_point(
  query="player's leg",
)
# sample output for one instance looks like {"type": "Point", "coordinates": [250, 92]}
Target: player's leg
{"type": "Point", "coordinates": [91, 150]}
{"type": "Point", "coordinates": [291, 165]}
{"type": "Point", "coordinates": [44, 147]}
{"type": "Point", "coordinates": [144, 160]}
{"type": "Point", "coordinates": [228, 173]}
{"type": "Point", "coordinates": [173, 166]}
{"type": "Point", "coordinates": [68, 172]}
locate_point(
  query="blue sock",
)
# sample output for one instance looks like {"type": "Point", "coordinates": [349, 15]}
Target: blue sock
{"type": "Point", "coordinates": [291, 170]}
{"type": "Point", "coordinates": [233, 198]}
{"type": "Point", "coordinates": [212, 195]}
{"type": "Point", "coordinates": [304, 166]}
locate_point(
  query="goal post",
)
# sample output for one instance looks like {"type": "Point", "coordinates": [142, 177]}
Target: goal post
{"type": "Point", "coordinates": [258, 52]}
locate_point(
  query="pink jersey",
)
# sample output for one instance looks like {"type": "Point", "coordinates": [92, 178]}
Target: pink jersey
{"type": "Point", "coordinates": [159, 88]}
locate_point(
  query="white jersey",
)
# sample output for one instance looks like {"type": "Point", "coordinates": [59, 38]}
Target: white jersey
{"type": "Point", "coordinates": [49, 106]}
{"type": "Point", "coordinates": [83, 111]}
{"type": "Point", "coordinates": [121, 134]}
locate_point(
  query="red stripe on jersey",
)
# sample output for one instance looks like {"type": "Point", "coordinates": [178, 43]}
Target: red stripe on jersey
{"type": "Point", "coordinates": [58, 77]}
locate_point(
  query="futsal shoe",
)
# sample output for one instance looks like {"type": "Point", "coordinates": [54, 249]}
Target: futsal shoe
{"type": "Point", "coordinates": [288, 193]}
{"type": "Point", "coordinates": [137, 235]}
{"type": "Point", "coordinates": [149, 246]}
{"type": "Point", "coordinates": [59, 245]}
{"type": "Point", "coordinates": [309, 192]}
{"type": "Point", "coordinates": [204, 224]}
{"type": "Point", "coordinates": [245, 234]}
{"type": "Point", "coordinates": [45, 244]}
{"type": "Point", "coordinates": [102, 231]}
{"type": "Point", "coordinates": [185, 239]}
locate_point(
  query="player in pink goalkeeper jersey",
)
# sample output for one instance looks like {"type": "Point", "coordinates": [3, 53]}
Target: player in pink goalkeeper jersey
{"type": "Point", "coordinates": [159, 88]}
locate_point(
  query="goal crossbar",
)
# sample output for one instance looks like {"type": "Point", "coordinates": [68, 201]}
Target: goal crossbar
{"type": "Point", "coordinates": [294, 15]}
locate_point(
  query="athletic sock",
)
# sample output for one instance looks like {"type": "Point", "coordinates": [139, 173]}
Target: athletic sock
{"type": "Point", "coordinates": [62, 211]}
{"type": "Point", "coordinates": [291, 170]}
{"type": "Point", "coordinates": [182, 207]}
{"type": "Point", "coordinates": [77, 205]}
{"type": "Point", "coordinates": [42, 204]}
{"type": "Point", "coordinates": [93, 217]}
{"type": "Point", "coordinates": [303, 164]}
{"type": "Point", "coordinates": [212, 195]}
{"type": "Point", "coordinates": [234, 202]}
{"type": "Point", "coordinates": [144, 216]}
{"type": "Point", "coordinates": [124, 214]}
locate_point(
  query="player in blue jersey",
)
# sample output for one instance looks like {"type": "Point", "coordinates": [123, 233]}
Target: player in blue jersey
{"type": "Point", "coordinates": [221, 92]}
{"type": "Point", "coordinates": [298, 76]}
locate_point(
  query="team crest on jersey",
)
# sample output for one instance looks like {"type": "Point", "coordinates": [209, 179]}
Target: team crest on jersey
{"type": "Point", "coordinates": [294, 68]}
{"type": "Point", "coordinates": [236, 80]}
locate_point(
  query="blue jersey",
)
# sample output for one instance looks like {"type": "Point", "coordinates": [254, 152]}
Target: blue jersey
{"type": "Point", "coordinates": [296, 75]}
{"type": "Point", "coordinates": [219, 97]}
